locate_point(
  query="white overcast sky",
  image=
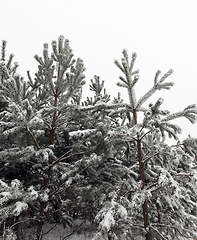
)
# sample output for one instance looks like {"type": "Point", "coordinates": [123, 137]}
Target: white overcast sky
{"type": "Point", "coordinates": [162, 32]}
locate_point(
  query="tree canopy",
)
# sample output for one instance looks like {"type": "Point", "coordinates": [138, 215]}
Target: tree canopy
{"type": "Point", "coordinates": [62, 158]}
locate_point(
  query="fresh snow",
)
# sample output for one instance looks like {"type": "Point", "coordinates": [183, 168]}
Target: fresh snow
{"type": "Point", "coordinates": [108, 221]}
{"type": "Point", "coordinates": [19, 207]}
{"type": "Point", "coordinates": [80, 133]}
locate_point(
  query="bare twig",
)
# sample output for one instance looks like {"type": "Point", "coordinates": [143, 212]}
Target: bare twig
{"type": "Point", "coordinates": [49, 127]}
{"type": "Point", "coordinates": [169, 226]}
{"type": "Point", "coordinates": [50, 229]}
{"type": "Point", "coordinates": [158, 233]}
{"type": "Point", "coordinates": [23, 221]}
{"type": "Point", "coordinates": [153, 185]}
{"type": "Point", "coordinates": [145, 135]}
{"type": "Point", "coordinates": [156, 189]}
{"type": "Point", "coordinates": [63, 157]}
{"type": "Point", "coordinates": [178, 145]}
{"type": "Point", "coordinates": [150, 157]}
{"type": "Point", "coordinates": [66, 237]}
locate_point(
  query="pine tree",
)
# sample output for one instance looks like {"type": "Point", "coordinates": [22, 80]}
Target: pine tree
{"type": "Point", "coordinates": [159, 196]}
{"type": "Point", "coordinates": [63, 159]}
{"type": "Point", "coordinates": [33, 114]}
{"type": "Point", "coordinates": [144, 175]}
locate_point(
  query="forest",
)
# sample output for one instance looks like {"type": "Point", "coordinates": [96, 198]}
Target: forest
{"type": "Point", "coordinates": [65, 161]}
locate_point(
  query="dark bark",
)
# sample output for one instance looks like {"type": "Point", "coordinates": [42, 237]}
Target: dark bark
{"type": "Point", "coordinates": [145, 204]}
{"type": "Point", "coordinates": [47, 174]}
{"type": "Point", "coordinates": [142, 178]}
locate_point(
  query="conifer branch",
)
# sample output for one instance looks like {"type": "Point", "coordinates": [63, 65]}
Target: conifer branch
{"type": "Point", "coordinates": [127, 70]}
{"type": "Point", "coordinates": [58, 189]}
{"type": "Point", "coordinates": [150, 157]}
{"type": "Point", "coordinates": [62, 158]}
{"type": "Point", "coordinates": [156, 189]}
{"type": "Point", "coordinates": [190, 113]}
{"type": "Point", "coordinates": [60, 124]}
{"type": "Point", "coordinates": [49, 127]}
{"type": "Point", "coordinates": [119, 65]}
{"type": "Point", "coordinates": [8, 65]}
{"type": "Point", "coordinates": [96, 86]}
{"type": "Point", "coordinates": [134, 56]}
{"type": "Point", "coordinates": [170, 226]}
{"type": "Point", "coordinates": [23, 221]}
{"type": "Point", "coordinates": [123, 80]}
{"type": "Point", "coordinates": [70, 234]}
{"type": "Point", "coordinates": [158, 85]}
{"type": "Point", "coordinates": [3, 48]}
{"type": "Point", "coordinates": [119, 84]}
{"type": "Point", "coordinates": [30, 133]}
{"type": "Point", "coordinates": [160, 234]}
{"type": "Point", "coordinates": [156, 77]}
{"type": "Point", "coordinates": [153, 185]}
{"type": "Point", "coordinates": [145, 134]}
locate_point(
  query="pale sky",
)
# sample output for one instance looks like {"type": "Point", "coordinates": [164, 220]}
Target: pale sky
{"type": "Point", "coordinates": [162, 32]}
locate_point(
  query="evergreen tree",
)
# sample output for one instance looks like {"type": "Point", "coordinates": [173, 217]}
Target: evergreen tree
{"type": "Point", "coordinates": [33, 116]}
{"type": "Point", "coordinates": [158, 200]}
{"type": "Point", "coordinates": [146, 179]}
{"type": "Point", "coordinates": [63, 159]}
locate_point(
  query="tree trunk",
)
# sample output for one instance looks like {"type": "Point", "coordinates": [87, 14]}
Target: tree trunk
{"type": "Point", "coordinates": [39, 230]}
{"type": "Point", "coordinates": [42, 208]}
{"type": "Point", "coordinates": [47, 174]}
{"type": "Point", "coordinates": [142, 178]}
{"type": "Point", "coordinates": [146, 220]}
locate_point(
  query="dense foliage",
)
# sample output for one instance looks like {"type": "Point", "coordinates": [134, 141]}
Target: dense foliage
{"type": "Point", "coordinates": [63, 159]}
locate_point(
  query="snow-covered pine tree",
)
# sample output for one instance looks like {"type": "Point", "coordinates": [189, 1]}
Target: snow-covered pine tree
{"type": "Point", "coordinates": [158, 200]}
{"type": "Point", "coordinates": [34, 114]}
{"type": "Point", "coordinates": [145, 178]}
{"type": "Point", "coordinates": [93, 160]}
{"type": "Point", "coordinates": [14, 159]}
{"type": "Point", "coordinates": [40, 129]}
{"type": "Point", "coordinates": [93, 138]}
